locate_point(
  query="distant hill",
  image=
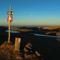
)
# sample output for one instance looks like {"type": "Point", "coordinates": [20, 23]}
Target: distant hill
{"type": "Point", "coordinates": [2, 28]}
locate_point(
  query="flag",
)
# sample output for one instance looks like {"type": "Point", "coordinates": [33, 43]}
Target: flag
{"type": "Point", "coordinates": [9, 18]}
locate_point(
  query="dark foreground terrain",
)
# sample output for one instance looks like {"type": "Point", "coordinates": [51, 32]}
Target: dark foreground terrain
{"type": "Point", "coordinates": [48, 47]}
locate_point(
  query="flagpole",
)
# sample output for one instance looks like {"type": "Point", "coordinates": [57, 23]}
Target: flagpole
{"type": "Point", "coordinates": [10, 18]}
{"type": "Point", "coordinates": [9, 25]}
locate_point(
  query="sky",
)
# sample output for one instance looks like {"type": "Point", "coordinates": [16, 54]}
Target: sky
{"type": "Point", "coordinates": [31, 12]}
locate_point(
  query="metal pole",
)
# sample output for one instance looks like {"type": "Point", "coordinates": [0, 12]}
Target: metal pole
{"type": "Point", "coordinates": [9, 25]}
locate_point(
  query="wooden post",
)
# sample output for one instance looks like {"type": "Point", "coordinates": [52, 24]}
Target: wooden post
{"type": "Point", "coordinates": [17, 44]}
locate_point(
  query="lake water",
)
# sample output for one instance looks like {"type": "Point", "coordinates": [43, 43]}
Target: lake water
{"type": "Point", "coordinates": [12, 31]}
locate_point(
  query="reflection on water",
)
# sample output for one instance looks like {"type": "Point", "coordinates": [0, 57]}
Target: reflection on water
{"type": "Point", "coordinates": [12, 31]}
